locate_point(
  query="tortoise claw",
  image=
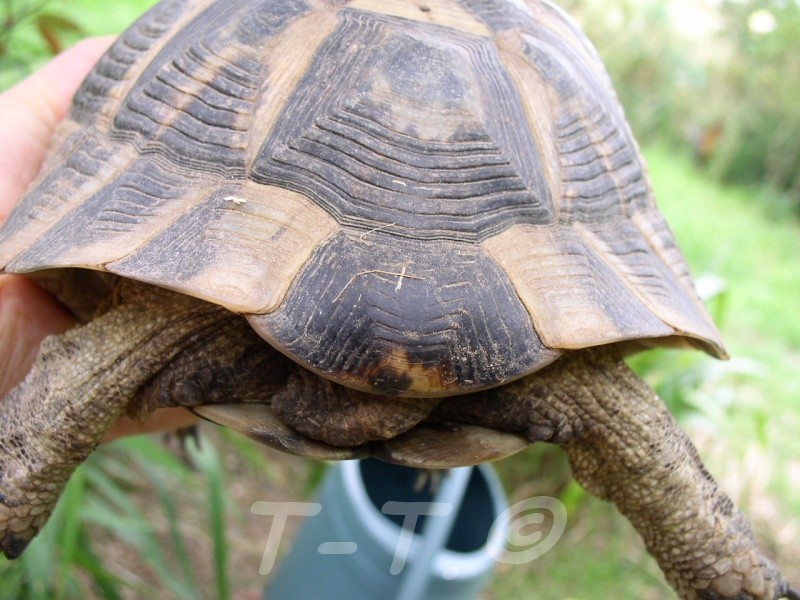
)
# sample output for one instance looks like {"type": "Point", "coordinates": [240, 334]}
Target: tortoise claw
{"type": "Point", "coordinates": [13, 545]}
{"type": "Point", "coordinates": [15, 529]}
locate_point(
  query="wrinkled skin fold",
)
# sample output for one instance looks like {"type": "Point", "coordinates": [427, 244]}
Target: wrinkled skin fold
{"type": "Point", "coordinates": [152, 348]}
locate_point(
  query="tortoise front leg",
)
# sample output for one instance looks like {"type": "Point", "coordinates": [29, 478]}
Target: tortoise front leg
{"type": "Point", "coordinates": [624, 446]}
{"type": "Point", "coordinates": [80, 383]}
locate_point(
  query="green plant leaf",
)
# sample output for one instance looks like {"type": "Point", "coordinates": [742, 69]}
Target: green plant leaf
{"type": "Point", "coordinates": [205, 456]}
{"type": "Point", "coordinates": [52, 28]}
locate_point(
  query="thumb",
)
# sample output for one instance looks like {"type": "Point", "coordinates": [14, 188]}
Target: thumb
{"type": "Point", "coordinates": [27, 316]}
{"type": "Point", "coordinates": [30, 112]}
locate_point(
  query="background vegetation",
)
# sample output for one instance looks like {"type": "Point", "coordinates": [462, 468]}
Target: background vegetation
{"type": "Point", "coordinates": [711, 89]}
{"type": "Point", "coordinates": [720, 76]}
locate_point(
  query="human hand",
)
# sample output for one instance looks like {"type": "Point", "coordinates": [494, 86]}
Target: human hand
{"type": "Point", "coordinates": [29, 114]}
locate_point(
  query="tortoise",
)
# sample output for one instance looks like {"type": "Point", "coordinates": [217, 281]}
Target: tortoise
{"type": "Point", "coordinates": [419, 230]}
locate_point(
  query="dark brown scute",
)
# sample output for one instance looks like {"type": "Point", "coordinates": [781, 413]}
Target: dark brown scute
{"type": "Point", "coordinates": [410, 141]}
{"type": "Point", "coordinates": [442, 314]}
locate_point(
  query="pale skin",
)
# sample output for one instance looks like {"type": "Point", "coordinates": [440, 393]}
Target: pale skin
{"type": "Point", "coordinates": [154, 350]}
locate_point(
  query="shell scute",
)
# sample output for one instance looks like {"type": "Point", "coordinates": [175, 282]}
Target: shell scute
{"type": "Point", "coordinates": [409, 138]}
{"type": "Point", "coordinates": [405, 316]}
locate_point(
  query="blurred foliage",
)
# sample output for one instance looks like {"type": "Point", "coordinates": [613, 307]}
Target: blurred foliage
{"type": "Point", "coordinates": [63, 561]}
{"type": "Point", "coordinates": [722, 77]}
{"type": "Point", "coordinates": [29, 29]}
{"type": "Point", "coordinates": [32, 31]}
{"type": "Point", "coordinates": [761, 83]}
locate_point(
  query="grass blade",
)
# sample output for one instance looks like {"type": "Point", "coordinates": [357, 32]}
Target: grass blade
{"type": "Point", "coordinates": [206, 458]}
{"type": "Point", "coordinates": [104, 581]}
{"type": "Point", "coordinates": [171, 512]}
{"type": "Point", "coordinates": [70, 531]}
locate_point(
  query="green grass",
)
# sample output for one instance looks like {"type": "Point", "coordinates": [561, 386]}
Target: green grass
{"type": "Point", "coordinates": [744, 236]}
{"type": "Point", "coordinates": [738, 235]}
{"type": "Point", "coordinates": [70, 21]}
{"type": "Point", "coordinates": [132, 496]}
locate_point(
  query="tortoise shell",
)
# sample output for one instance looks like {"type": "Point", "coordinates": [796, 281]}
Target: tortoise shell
{"type": "Point", "coordinates": [414, 197]}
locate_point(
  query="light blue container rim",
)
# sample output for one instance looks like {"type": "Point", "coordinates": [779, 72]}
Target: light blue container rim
{"type": "Point", "coordinates": [447, 564]}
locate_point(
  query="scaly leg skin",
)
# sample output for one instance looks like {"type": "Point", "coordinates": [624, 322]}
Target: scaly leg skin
{"type": "Point", "coordinates": [86, 378]}
{"type": "Point", "coordinates": [153, 348]}
{"type": "Point", "coordinates": [624, 446]}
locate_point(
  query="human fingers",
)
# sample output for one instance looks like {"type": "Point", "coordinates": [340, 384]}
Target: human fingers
{"type": "Point", "coordinates": [30, 112]}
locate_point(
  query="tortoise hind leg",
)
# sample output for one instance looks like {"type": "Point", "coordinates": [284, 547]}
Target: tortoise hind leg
{"type": "Point", "coordinates": [81, 382]}
{"type": "Point", "coordinates": [634, 454]}
{"type": "Point", "coordinates": [624, 446]}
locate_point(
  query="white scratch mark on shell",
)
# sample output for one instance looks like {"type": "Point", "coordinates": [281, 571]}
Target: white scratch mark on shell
{"type": "Point", "coordinates": [400, 279]}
